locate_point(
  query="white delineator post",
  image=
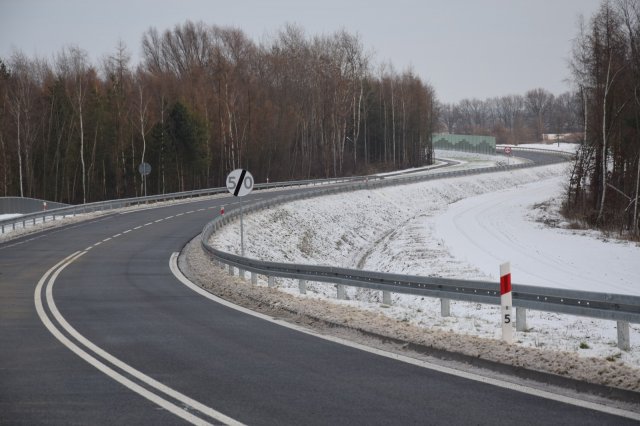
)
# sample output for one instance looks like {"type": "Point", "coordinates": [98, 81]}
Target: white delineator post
{"type": "Point", "coordinates": [505, 302]}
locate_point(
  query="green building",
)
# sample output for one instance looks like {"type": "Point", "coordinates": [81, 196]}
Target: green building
{"type": "Point", "coordinates": [465, 143]}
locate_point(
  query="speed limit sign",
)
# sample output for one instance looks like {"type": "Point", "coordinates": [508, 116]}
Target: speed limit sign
{"type": "Point", "coordinates": [240, 182]}
{"type": "Point", "coordinates": [507, 150]}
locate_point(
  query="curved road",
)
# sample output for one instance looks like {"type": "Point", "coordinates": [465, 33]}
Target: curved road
{"type": "Point", "coordinates": [112, 337]}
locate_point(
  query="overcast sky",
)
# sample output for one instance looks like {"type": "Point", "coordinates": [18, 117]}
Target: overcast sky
{"type": "Point", "coordinates": [465, 49]}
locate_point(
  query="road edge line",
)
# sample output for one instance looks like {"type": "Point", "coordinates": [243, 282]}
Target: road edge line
{"type": "Point", "coordinates": [173, 264]}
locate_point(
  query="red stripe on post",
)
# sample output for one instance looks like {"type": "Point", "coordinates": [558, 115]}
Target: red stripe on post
{"type": "Point", "coordinates": [505, 284]}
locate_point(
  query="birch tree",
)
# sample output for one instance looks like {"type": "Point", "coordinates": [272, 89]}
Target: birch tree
{"type": "Point", "coordinates": [73, 64]}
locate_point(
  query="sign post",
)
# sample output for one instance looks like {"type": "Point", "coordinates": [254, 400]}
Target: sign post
{"type": "Point", "coordinates": [505, 302]}
{"type": "Point", "coordinates": [507, 152]}
{"type": "Point", "coordinates": [144, 169]}
{"type": "Point", "coordinates": [240, 183]}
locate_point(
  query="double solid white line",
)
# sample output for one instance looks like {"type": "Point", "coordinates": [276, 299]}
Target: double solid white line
{"type": "Point", "coordinates": [117, 370]}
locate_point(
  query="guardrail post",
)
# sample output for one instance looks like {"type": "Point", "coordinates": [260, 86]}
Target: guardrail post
{"type": "Point", "coordinates": [241, 273]}
{"type": "Point", "coordinates": [521, 318]}
{"type": "Point", "coordinates": [623, 335]}
{"type": "Point", "coordinates": [445, 307]}
{"type": "Point", "coordinates": [342, 295]}
{"type": "Point", "coordinates": [386, 297]}
{"type": "Point", "coordinates": [271, 282]}
{"type": "Point", "coordinates": [231, 270]}
{"type": "Point", "coordinates": [254, 278]}
{"type": "Point", "coordinates": [302, 286]}
{"type": "Point", "coordinates": [506, 301]}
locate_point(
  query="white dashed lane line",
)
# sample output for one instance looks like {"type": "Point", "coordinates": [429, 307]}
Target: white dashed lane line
{"type": "Point", "coordinates": [150, 223]}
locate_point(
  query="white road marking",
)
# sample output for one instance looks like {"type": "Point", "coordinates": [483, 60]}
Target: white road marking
{"type": "Point", "coordinates": [148, 223]}
{"type": "Point", "coordinates": [159, 220]}
{"type": "Point", "coordinates": [189, 212]}
{"type": "Point", "coordinates": [137, 227]}
{"type": "Point", "coordinates": [180, 214]}
{"type": "Point", "coordinates": [97, 244]}
{"type": "Point", "coordinates": [116, 236]}
{"type": "Point", "coordinates": [173, 265]}
{"type": "Point", "coordinates": [106, 239]}
{"type": "Point", "coordinates": [168, 217]}
{"type": "Point", "coordinates": [127, 231]}
{"type": "Point", "coordinates": [169, 406]}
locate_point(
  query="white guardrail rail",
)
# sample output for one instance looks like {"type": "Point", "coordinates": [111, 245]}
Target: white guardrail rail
{"type": "Point", "coordinates": [623, 309]}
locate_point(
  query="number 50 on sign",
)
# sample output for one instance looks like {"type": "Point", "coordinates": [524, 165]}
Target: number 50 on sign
{"type": "Point", "coordinates": [239, 182]}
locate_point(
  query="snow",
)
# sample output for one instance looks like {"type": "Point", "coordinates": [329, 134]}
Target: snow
{"type": "Point", "coordinates": [492, 228]}
{"type": "Point", "coordinates": [461, 227]}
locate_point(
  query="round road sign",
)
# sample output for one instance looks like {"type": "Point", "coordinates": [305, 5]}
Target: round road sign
{"type": "Point", "coordinates": [144, 169]}
{"type": "Point", "coordinates": [239, 182]}
{"type": "Point", "coordinates": [507, 150]}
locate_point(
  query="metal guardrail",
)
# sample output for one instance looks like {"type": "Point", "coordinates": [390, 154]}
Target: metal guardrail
{"type": "Point", "coordinates": [590, 304]}
{"type": "Point", "coordinates": [565, 154]}
{"type": "Point", "coordinates": [26, 205]}
{"type": "Point", "coordinates": [73, 210]}
{"type": "Point", "coordinates": [624, 309]}
{"type": "Point", "coordinates": [31, 219]}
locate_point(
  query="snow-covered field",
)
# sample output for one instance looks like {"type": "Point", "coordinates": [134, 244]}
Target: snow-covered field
{"type": "Point", "coordinates": [459, 228]}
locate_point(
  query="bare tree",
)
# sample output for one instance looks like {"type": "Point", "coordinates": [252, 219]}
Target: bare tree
{"type": "Point", "coordinates": [538, 102]}
{"type": "Point", "coordinates": [73, 65]}
{"type": "Point", "coordinates": [20, 93]}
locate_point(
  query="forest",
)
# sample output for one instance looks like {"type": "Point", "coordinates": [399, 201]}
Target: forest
{"type": "Point", "coordinates": [515, 119]}
{"type": "Point", "coordinates": [203, 101]}
{"type": "Point", "coordinates": [604, 182]}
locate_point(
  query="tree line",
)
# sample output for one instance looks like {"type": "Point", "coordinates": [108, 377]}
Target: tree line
{"type": "Point", "coordinates": [202, 101]}
{"type": "Point", "coordinates": [514, 119]}
{"type": "Point", "coordinates": [605, 180]}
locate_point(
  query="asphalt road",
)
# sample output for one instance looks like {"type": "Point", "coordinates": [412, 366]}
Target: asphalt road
{"type": "Point", "coordinates": [121, 296]}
